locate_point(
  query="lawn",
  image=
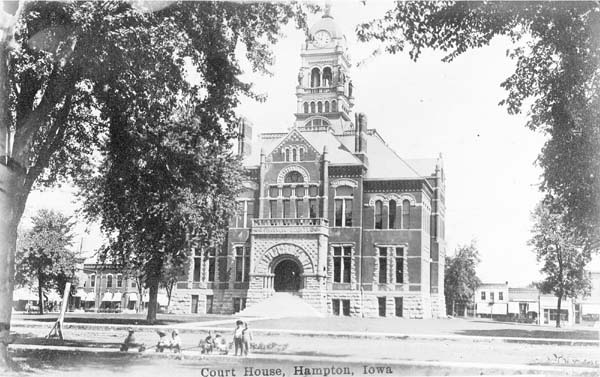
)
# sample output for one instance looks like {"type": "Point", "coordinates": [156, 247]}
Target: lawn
{"type": "Point", "coordinates": [473, 327]}
{"type": "Point", "coordinates": [138, 319]}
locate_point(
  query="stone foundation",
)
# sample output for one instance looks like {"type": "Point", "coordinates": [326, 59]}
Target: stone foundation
{"type": "Point", "coordinates": [414, 305]}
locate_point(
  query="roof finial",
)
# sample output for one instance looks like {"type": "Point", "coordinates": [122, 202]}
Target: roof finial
{"type": "Point", "coordinates": [327, 12]}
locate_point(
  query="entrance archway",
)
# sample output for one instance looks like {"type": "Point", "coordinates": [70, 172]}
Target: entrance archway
{"type": "Point", "coordinates": [287, 276]}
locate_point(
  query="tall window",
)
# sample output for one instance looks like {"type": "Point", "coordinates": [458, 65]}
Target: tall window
{"type": "Point", "coordinates": [245, 214]}
{"type": "Point", "coordinates": [327, 77]}
{"type": "Point", "coordinates": [392, 214]}
{"type": "Point", "coordinates": [491, 296]}
{"type": "Point", "coordinates": [294, 154]}
{"type": "Point", "coordinates": [197, 266]}
{"type": "Point", "coordinates": [326, 106]}
{"type": "Point", "coordinates": [315, 78]}
{"type": "Point", "coordinates": [334, 106]}
{"type": "Point", "coordinates": [319, 107]}
{"type": "Point", "coordinates": [301, 154]}
{"type": "Point", "coordinates": [92, 281]}
{"type": "Point", "coordinates": [286, 209]}
{"type": "Point", "coordinates": [306, 107]}
{"type": "Point", "coordinates": [211, 259]}
{"type": "Point", "coordinates": [299, 208]}
{"type": "Point", "coordinates": [273, 209]}
{"type": "Point", "coordinates": [109, 279]}
{"type": "Point", "coordinates": [383, 265]}
{"type": "Point", "coordinates": [287, 154]}
{"type": "Point", "coordinates": [379, 214]}
{"type": "Point", "coordinates": [483, 295]}
{"type": "Point", "coordinates": [312, 107]}
{"type": "Point", "coordinates": [399, 265]}
{"type": "Point", "coordinates": [500, 296]}
{"type": "Point", "coordinates": [342, 262]}
{"type": "Point", "coordinates": [313, 208]}
{"type": "Point", "coordinates": [242, 263]}
{"type": "Point", "coordinates": [119, 281]}
{"type": "Point", "coordinates": [343, 206]}
{"type": "Point", "coordinates": [249, 213]}
{"type": "Point", "coordinates": [406, 214]}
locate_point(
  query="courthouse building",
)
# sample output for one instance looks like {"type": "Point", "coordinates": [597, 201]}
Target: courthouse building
{"type": "Point", "coordinates": [329, 213]}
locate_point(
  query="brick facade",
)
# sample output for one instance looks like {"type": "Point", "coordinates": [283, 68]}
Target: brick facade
{"type": "Point", "coordinates": [330, 185]}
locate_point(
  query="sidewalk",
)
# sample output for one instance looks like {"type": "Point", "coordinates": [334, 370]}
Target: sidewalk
{"type": "Point", "coordinates": [204, 327]}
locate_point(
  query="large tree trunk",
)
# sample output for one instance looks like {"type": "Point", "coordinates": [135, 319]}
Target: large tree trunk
{"type": "Point", "coordinates": [12, 199]}
{"type": "Point", "coordinates": [40, 294]}
{"type": "Point", "coordinates": [152, 300]}
{"type": "Point", "coordinates": [558, 309]}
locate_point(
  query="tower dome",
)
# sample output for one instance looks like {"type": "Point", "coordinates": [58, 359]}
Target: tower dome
{"type": "Point", "coordinates": [327, 23]}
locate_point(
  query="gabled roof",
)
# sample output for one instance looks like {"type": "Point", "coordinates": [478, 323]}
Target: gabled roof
{"type": "Point", "coordinates": [384, 163]}
{"type": "Point", "coordinates": [338, 153]}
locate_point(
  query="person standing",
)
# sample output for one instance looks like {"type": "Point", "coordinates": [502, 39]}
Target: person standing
{"type": "Point", "coordinates": [238, 337]}
{"type": "Point", "coordinates": [246, 338]}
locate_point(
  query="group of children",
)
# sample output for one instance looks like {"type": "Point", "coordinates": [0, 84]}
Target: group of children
{"type": "Point", "coordinates": [211, 344]}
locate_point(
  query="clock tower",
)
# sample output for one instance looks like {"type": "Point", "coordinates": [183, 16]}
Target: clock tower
{"type": "Point", "coordinates": [324, 91]}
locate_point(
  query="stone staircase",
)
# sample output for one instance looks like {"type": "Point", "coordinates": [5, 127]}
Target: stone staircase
{"type": "Point", "coordinates": [279, 305]}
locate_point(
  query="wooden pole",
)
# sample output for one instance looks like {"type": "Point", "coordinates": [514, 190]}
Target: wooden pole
{"type": "Point", "coordinates": [57, 329]}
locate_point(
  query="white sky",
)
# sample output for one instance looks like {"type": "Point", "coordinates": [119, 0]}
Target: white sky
{"type": "Point", "coordinates": [422, 109]}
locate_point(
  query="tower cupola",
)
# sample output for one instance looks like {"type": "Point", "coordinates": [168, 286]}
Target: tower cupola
{"type": "Point", "coordinates": [324, 91]}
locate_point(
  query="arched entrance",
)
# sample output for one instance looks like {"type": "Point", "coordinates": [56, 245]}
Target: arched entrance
{"type": "Point", "coordinates": [287, 276]}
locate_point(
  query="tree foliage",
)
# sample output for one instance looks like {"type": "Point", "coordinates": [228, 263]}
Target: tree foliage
{"type": "Point", "coordinates": [460, 277]}
{"type": "Point", "coordinates": [73, 75]}
{"type": "Point", "coordinates": [556, 46]}
{"type": "Point", "coordinates": [43, 256]}
{"type": "Point", "coordinates": [562, 253]}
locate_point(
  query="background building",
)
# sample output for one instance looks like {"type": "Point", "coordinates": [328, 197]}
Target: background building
{"type": "Point", "coordinates": [330, 213]}
{"type": "Point", "coordinates": [491, 298]}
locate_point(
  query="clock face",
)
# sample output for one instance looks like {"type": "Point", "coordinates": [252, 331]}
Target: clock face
{"type": "Point", "coordinates": [322, 38]}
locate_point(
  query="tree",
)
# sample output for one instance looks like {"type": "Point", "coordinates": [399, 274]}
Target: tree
{"type": "Point", "coordinates": [168, 191]}
{"type": "Point", "coordinates": [562, 254]}
{"type": "Point", "coordinates": [43, 256]}
{"type": "Point", "coordinates": [59, 61]}
{"type": "Point", "coordinates": [556, 46]}
{"type": "Point", "coordinates": [460, 277]}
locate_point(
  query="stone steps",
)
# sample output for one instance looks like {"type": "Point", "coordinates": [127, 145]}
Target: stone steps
{"type": "Point", "coordinates": [281, 304]}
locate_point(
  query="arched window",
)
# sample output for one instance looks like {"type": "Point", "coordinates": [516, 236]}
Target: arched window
{"type": "Point", "coordinates": [109, 281]}
{"type": "Point", "coordinates": [287, 154]}
{"type": "Point", "coordinates": [319, 107]}
{"type": "Point", "coordinates": [406, 214]}
{"type": "Point", "coordinates": [301, 154]}
{"type": "Point", "coordinates": [378, 214]}
{"type": "Point", "coordinates": [315, 78]}
{"type": "Point", "coordinates": [326, 106]}
{"type": "Point", "coordinates": [327, 77]}
{"type": "Point", "coordinates": [312, 107]}
{"type": "Point", "coordinates": [306, 107]}
{"type": "Point", "coordinates": [294, 154]}
{"type": "Point", "coordinates": [119, 281]}
{"type": "Point", "coordinates": [392, 214]}
{"type": "Point", "coordinates": [293, 177]}
{"type": "Point", "coordinates": [334, 106]}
